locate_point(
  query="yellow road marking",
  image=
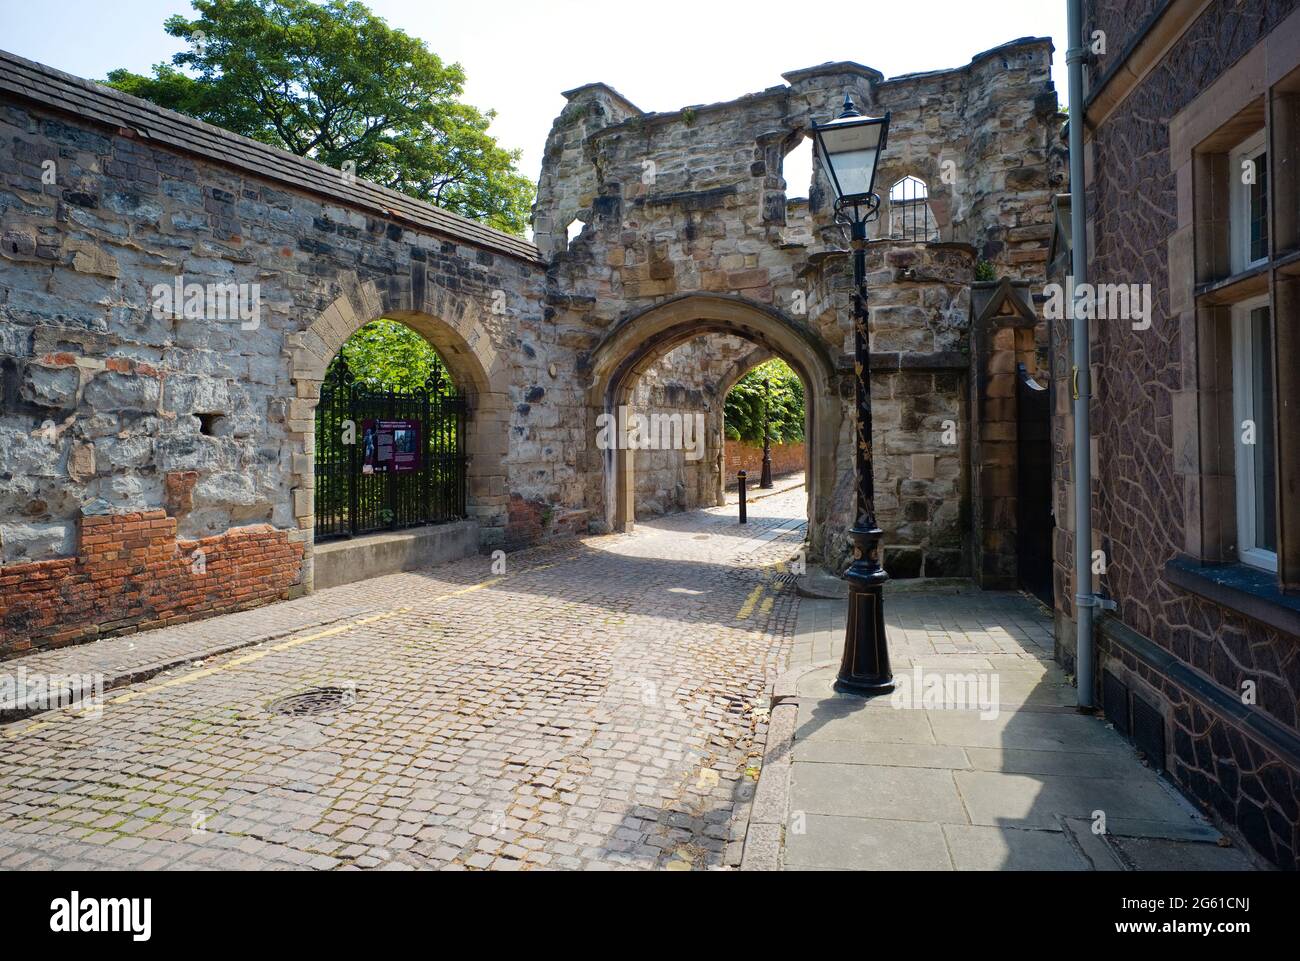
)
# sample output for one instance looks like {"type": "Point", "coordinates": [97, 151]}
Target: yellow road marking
{"type": "Point", "coordinates": [257, 655]}
{"type": "Point", "coordinates": [253, 656]}
{"type": "Point", "coordinates": [243, 659]}
{"type": "Point", "coordinates": [750, 602]}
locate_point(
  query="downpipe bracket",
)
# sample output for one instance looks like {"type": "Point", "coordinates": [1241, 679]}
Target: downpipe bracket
{"type": "Point", "coordinates": [1096, 602]}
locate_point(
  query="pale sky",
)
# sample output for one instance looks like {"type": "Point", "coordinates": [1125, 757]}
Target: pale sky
{"type": "Point", "coordinates": [520, 54]}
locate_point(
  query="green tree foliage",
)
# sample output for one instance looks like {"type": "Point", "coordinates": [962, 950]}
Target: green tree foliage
{"type": "Point", "coordinates": [388, 355]}
{"type": "Point", "coordinates": [333, 82]}
{"type": "Point", "coordinates": [744, 406]}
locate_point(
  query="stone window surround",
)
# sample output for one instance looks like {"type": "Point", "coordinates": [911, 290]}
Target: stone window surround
{"type": "Point", "coordinates": [1260, 92]}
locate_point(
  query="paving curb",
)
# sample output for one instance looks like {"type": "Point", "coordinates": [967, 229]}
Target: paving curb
{"type": "Point", "coordinates": [820, 584]}
{"type": "Point", "coordinates": [770, 807]}
{"type": "Point", "coordinates": [143, 672]}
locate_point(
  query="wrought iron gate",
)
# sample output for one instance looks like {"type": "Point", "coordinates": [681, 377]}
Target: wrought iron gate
{"type": "Point", "coordinates": [350, 501]}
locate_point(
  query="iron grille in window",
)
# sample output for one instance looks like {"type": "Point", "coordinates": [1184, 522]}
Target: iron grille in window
{"type": "Point", "coordinates": [910, 219]}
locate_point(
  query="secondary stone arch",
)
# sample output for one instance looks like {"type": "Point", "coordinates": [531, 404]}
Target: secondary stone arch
{"type": "Point", "coordinates": [454, 327]}
{"type": "Point", "coordinates": [732, 376]}
{"type": "Point", "coordinates": [639, 340]}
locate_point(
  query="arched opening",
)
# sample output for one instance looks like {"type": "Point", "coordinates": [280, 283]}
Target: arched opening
{"type": "Point", "coordinates": [391, 431]}
{"type": "Point", "coordinates": [452, 327]}
{"type": "Point", "coordinates": [765, 424]}
{"type": "Point", "coordinates": [639, 343]}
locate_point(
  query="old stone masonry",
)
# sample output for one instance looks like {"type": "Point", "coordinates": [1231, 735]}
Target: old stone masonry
{"type": "Point", "coordinates": [171, 296]}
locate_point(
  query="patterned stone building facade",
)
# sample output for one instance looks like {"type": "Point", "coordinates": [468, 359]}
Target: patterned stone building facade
{"type": "Point", "coordinates": [1193, 161]}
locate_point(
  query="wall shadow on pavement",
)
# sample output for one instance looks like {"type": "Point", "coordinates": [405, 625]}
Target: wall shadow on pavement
{"type": "Point", "coordinates": [1039, 786]}
{"type": "Point", "coordinates": [678, 589]}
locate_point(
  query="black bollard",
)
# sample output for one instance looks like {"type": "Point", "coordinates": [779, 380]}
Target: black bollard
{"type": "Point", "coordinates": [744, 517]}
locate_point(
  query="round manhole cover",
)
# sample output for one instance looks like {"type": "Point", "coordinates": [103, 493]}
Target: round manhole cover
{"type": "Point", "coordinates": [319, 700]}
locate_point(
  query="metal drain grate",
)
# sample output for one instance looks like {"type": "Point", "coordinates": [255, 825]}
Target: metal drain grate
{"type": "Point", "coordinates": [319, 700]}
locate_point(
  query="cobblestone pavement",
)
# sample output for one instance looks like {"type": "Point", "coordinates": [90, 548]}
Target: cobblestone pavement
{"type": "Point", "coordinates": [602, 703]}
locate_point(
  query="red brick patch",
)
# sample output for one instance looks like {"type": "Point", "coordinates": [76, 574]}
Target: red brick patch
{"type": "Point", "coordinates": [131, 573]}
{"type": "Point", "coordinates": [786, 459]}
{"type": "Point", "coordinates": [178, 489]}
{"type": "Point", "coordinates": [525, 522]}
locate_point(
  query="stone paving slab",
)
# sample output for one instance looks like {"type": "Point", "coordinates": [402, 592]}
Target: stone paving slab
{"type": "Point", "coordinates": [1017, 781]}
{"type": "Point", "coordinates": [1024, 730]}
{"type": "Point", "coordinates": [868, 844]}
{"type": "Point", "coordinates": [997, 798]}
{"type": "Point", "coordinates": [978, 848]}
{"type": "Point", "coordinates": [876, 791]}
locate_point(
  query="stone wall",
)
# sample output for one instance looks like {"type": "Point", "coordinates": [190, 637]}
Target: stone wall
{"type": "Point", "coordinates": [693, 205]}
{"type": "Point", "coordinates": [114, 406]}
{"type": "Point", "coordinates": [984, 140]}
{"type": "Point", "coordinates": [920, 331]}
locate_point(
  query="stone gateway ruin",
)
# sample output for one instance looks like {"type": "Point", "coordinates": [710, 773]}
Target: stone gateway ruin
{"type": "Point", "coordinates": [171, 296]}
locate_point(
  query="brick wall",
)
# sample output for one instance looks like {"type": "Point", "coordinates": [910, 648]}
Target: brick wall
{"type": "Point", "coordinates": [786, 459]}
{"type": "Point", "coordinates": [131, 573]}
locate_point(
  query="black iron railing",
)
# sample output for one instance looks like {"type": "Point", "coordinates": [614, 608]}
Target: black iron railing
{"type": "Point", "coordinates": [355, 494]}
{"type": "Point", "coordinates": [910, 219]}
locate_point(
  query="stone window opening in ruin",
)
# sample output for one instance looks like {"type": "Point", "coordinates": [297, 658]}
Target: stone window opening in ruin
{"type": "Point", "coordinates": [211, 424]}
{"type": "Point", "coordinates": [797, 172]}
{"type": "Point", "coordinates": [574, 231]}
{"type": "Point", "coordinates": [910, 217]}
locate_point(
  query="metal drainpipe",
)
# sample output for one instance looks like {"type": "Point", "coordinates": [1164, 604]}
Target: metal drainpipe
{"type": "Point", "coordinates": [1085, 601]}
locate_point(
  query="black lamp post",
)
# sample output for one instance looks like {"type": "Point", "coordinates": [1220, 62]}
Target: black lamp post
{"type": "Point", "coordinates": [765, 481]}
{"type": "Point", "coordinates": [849, 148]}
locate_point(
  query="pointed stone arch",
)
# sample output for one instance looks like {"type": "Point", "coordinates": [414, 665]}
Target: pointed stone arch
{"type": "Point", "coordinates": [759, 355]}
{"type": "Point", "coordinates": [638, 341]}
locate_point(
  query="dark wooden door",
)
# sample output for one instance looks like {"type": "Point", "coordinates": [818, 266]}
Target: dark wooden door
{"type": "Point", "coordinates": [1034, 521]}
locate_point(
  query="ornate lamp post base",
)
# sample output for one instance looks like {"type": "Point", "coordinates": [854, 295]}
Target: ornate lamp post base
{"type": "Point", "coordinates": [865, 669]}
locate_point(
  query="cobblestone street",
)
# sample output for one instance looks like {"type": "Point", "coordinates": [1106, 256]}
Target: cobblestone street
{"type": "Point", "coordinates": [601, 703]}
